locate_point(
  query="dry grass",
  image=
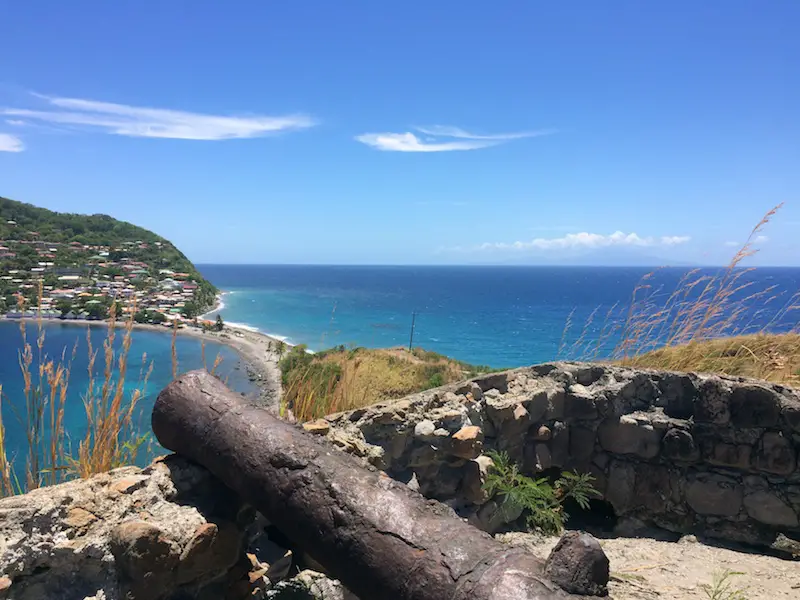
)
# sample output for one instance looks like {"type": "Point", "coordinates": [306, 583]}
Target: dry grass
{"type": "Point", "coordinates": [708, 322]}
{"type": "Point", "coordinates": [111, 437]}
{"type": "Point", "coordinates": [774, 358]}
{"type": "Point", "coordinates": [342, 379]}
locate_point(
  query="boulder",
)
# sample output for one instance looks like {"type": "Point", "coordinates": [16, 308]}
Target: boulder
{"type": "Point", "coordinates": [578, 565]}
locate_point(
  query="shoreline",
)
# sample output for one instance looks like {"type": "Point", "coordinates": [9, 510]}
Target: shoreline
{"type": "Point", "coordinates": [255, 349]}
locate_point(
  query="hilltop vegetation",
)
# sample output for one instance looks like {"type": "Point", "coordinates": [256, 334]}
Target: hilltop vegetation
{"type": "Point", "coordinates": [342, 378]}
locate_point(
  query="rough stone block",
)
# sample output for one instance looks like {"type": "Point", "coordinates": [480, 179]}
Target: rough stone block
{"type": "Point", "coordinates": [768, 508]}
{"type": "Point", "coordinates": [467, 442]}
{"type": "Point", "coordinates": [713, 403]}
{"type": "Point", "coordinates": [791, 414]}
{"type": "Point", "coordinates": [754, 406]}
{"type": "Point", "coordinates": [679, 445]}
{"type": "Point", "coordinates": [730, 455]}
{"type": "Point", "coordinates": [495, 381]}
{"type": "Point", "coordinates": [653, 489]}
{"type": "Point", "coordinates": [555, 409]}
{"type": "Point", "coordinates": [475, 472]}
{"type": "Point", "coordinates": [714, 495]}
{"type": "Point", "coordinates": [579, 403]}
{"type": "Point", "coordinates": [146, 557]}
{"type": "Point", "coordinates": [775, 454]}
{"type": "Point", "coordinates": [581, 442]}
{"type": "Point", "coordinates": [589, 375]}
{"type": "Point", "coordinates": [678, 395]}
{"type": "Point", "coordinates": [621, 486]}
{"type": "Point", "coordinates": [640, 393]}
{"type": "Point", "coordinates": [627, 436]}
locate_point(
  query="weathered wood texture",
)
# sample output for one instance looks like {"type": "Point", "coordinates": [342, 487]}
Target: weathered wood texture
{"type": "Point", "coordinates": [379, 538]}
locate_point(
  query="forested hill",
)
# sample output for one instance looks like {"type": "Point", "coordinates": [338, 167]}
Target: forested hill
{"type": "Point", "coordinates": [37, 242]}
{"type": "Point", "coordinates": [29, 222]}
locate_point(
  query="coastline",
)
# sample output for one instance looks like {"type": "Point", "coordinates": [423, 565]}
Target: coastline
{"type": "Point", "coordinates": [253, 347]}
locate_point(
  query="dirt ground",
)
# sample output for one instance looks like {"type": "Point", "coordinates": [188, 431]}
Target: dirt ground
{"type": "Point", "coordinates": [644, 569]}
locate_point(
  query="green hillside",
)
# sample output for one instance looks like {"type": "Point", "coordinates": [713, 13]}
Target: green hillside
{"type": "Point", "coordinates": [37, 243]}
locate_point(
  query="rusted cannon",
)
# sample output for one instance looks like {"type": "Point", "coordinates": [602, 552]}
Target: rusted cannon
{"type": "Point", "coordinates": [380, 539]}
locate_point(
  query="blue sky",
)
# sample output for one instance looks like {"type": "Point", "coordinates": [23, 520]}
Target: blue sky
{"type": "Point", "coordinates": [412, 132]}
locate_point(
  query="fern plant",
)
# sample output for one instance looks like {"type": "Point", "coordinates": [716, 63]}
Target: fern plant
{"type": "Point", "coordinates": [540, 501]}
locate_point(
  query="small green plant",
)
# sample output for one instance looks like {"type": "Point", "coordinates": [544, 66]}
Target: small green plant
{"type": "Point", "coordinates": [722, 587]}
{"type": "Point", "coordinates": [541, 502]}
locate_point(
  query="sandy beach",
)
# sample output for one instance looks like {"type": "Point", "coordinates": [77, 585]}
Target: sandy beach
{"type": "Point", "coordinates": [254, 348]}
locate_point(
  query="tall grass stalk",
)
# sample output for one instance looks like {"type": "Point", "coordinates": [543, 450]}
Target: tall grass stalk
{"type": "Point", "coordinates": [111, 437]}
{"type": "Point", "coordinates": [671, 329]}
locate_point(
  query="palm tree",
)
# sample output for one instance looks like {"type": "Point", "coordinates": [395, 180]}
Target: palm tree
{"type": "Point", "coordinates": [280, 348]}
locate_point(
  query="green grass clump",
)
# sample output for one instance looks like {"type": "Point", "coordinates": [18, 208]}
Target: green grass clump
{"type": "Point", "coordinates": [541, 501]}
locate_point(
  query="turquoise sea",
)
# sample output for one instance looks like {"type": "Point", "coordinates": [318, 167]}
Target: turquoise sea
{"type": "Point", "coordinates": [497, 316]}
{"type": "Point", "coordinates": [67, 343]}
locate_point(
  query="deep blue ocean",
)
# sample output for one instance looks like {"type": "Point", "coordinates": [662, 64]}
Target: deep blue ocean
{"type": "Point", "coordinates": [496, 316]}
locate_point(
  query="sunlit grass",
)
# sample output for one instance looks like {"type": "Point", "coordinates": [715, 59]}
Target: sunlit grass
{"type": "Point", "coordinates": [774, 358]}
{"type": "Point", "coordinates": [708, 322]}
{"type": "Point", "coordinates": [344, 379]}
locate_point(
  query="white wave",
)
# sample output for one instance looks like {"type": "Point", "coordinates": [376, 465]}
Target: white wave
{"type": "Point", "coordinates": [245, 326]}
{"type": "Point", "coordinates": [282, 338]}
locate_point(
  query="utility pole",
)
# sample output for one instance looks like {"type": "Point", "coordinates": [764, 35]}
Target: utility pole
{"type": "Point", "coordinates": [411, 339]}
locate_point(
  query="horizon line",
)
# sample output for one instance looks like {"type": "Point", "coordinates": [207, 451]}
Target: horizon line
{"type": "Point", "coordinates": [491, 265]}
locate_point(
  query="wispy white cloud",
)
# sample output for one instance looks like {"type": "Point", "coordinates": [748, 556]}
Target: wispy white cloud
{"type": "Point", "coordinates": [732, 244]}
{"type": "Point", "coordinates": [585, 240]}
{"type": "Point", "coordinates": [136, 121]}
{"type": "Point", "coordinates": [408, 142]}
{"type": "Point", "coordinates": [457, 132]}
{"type": "Point", "coordinates": [10, 143]}
{"type": "Point", "coordinates": [15, 122]}
{"type": "Point", "coordinates": [440, 138]}
{"type": "Point", "coordinates": [760, 239]}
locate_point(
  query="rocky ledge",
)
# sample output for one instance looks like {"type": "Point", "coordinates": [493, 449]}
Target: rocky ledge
{"type": "Point", "coordinates": [715, 456]}
{"type": "Point", "coordinates": [169, 531]}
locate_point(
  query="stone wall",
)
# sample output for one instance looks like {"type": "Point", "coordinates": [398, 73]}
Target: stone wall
{"type": "Point", "coordinates": [684, 452]}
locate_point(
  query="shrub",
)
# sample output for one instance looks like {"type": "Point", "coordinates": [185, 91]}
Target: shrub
{"type": "Point", "coordinates": [541, 501]}
{"type": "Point", "coordinates": [721, 587]}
